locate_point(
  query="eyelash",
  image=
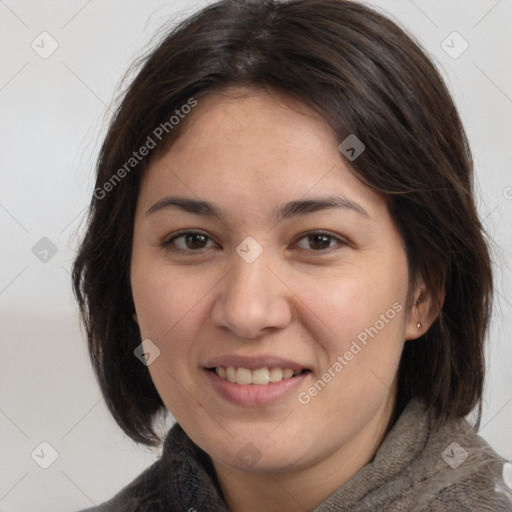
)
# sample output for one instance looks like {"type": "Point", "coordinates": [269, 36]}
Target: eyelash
{"type": "Point", "coordinates": [167, 244]}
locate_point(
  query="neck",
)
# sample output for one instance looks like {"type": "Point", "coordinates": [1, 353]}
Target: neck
{"type": "Point", "coordinates": [305, 488]}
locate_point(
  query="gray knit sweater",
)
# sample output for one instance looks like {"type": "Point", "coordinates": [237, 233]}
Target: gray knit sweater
{"type": "Point", "coordinates": [418, 467]}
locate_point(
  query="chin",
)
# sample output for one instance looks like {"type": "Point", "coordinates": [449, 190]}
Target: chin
{"type": "Point", "coordinates": [249, 458]}
{"type": "Point", "coordinates": [254, 451]}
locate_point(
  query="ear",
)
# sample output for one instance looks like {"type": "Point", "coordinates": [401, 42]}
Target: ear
{"type": "Point", "coordinates": [426, 308]}
{"type": "Point", "coordinates": [135, 319]}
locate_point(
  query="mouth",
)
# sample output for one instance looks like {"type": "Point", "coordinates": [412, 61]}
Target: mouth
{"type": "Point", "coordinates": [255, 381]}
{"type": "Point", "coordinates": [259, 377]}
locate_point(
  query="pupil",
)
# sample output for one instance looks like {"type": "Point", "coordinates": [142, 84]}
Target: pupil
{"type": "Point", "coordinates": [195, 241]}
{"type": "Point", "coordinates": [319, 241]}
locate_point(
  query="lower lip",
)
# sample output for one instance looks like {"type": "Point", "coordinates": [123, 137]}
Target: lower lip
{"type": "Point", "coordinates": [254, 394]}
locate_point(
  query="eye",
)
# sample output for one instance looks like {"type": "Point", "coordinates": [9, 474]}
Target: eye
{"type": "Point", "coordinates": [191, 241]}
{"type": "Point", "coordinates": [195, 241]}
{"type": "Point", "coordinates": [319, 241]}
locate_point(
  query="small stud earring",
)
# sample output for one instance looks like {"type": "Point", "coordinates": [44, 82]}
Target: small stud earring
{"type": "Point", "coordinates": [419, 325]}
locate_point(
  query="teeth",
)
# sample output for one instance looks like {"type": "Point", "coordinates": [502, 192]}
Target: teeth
{"type": "Point", "coordinates": [261, 376]}
{"type": "Point", "coordinates": [276, 374]}
{"type": "Point", "coordinates": [230, 374]}
{"type": "Point", "coordinates": [243, 376]}
{"type": "Point", "coordinates": [287, 373]}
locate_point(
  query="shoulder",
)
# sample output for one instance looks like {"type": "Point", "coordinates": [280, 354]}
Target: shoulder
{"type": "Point", "coordinates": [466, 497]}
{"type": "Point", "coordinates": [461, 472]}
{"type": "Point", "coordinates": [481, 491]}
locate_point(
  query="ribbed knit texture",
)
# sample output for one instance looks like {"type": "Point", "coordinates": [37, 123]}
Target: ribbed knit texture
{"type": "Point", "coordinates": [408, 473]}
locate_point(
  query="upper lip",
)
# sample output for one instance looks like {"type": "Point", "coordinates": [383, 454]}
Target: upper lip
{"type": "Point", "coordinates": [254, 362]}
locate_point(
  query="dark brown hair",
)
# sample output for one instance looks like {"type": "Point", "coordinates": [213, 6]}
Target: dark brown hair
{"type": "Point", "coordinates": [365, 76]}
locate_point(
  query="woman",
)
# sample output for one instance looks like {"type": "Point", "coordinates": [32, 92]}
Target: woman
{"type": "Point", "coordinates": [284, 252]}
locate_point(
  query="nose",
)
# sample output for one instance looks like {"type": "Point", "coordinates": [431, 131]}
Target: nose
{"type": "Point", "coordinates": [252, 300]}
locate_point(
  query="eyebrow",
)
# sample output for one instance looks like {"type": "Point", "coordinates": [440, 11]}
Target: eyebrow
{"type": "Point", "coordinates": [285, 211]}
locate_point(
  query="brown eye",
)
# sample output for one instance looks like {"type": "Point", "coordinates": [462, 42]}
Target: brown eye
{"type": "Point", "coordinates": [319, 241]}
{"type": "Point", "coordinates": [195, 241]}
{"type": "Point", "coordinates": [188, 241]}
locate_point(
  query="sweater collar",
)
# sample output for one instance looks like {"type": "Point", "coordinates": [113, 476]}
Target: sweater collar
{"type": "Point", "coordinates": [409, 455]}
{"type": "Point", "coordinates": [193, 483]}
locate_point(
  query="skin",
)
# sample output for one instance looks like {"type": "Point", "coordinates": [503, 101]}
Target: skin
{"type": "Point", "coordinates": [248, 153]}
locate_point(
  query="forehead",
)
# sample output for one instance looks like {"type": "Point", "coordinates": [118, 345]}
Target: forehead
{"type": "Point", "coordinates": [251, 148]}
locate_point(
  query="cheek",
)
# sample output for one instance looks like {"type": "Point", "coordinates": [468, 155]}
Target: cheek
{"type": "Point", "coordinates": [349, 305]}
{"type": "Point", "coordinates": [169, 306]}
{"type": "Point", "coordinates": [165, 300]}
{"type": "Point", "coordinates": [361, 332]}
{"type": "Point", "coordinates": [172, 306]}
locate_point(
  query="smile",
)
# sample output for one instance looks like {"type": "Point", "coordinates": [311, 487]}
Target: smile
{"type": "Point", "coordinates": [260, 376]}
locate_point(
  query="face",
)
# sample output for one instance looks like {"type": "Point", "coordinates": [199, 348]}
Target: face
{"type": "Point", "coordinates": [273, 283]}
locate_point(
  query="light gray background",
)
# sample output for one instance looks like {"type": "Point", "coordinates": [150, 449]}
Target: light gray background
{"type": "Point", "coordinates": [52, 120]}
